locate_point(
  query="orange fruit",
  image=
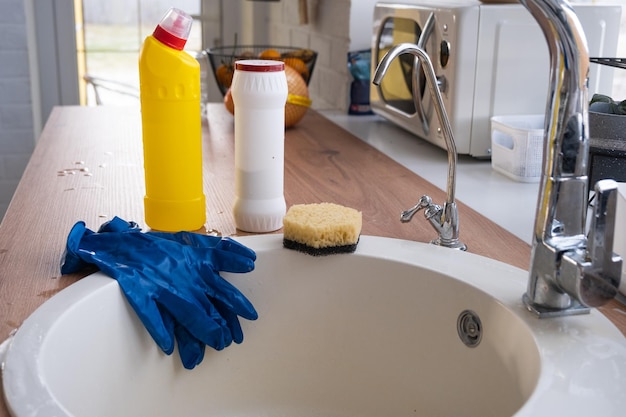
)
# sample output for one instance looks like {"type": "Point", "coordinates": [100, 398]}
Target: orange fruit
{"type": "Point", "coordinates": [298, 101]}
{"type": "Point", "coordinates": [269, 54]}
{"type": "Point", "coordinates": [224, 74]}
{"type": "Point", "coordinates": [228, 102]}
{"type": "Point", "coordinates": [298, 65]}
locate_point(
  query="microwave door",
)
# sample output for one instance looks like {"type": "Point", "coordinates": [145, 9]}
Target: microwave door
{"type": "Point", "coordinates": [418, 76]}
{"type": "Point", "coordinates": [395, 90]}
{"type": "Point", "coordinates": [406, 78]}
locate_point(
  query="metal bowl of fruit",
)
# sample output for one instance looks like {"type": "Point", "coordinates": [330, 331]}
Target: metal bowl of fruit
{"type": "Point", "coordinates": [223, 59]}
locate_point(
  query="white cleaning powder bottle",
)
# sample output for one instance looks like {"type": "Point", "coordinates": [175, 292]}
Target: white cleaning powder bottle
{"type": "Point", "coordinates": [259, 91]}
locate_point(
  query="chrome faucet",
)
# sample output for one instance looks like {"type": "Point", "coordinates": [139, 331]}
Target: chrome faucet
{"type": "Point", "coordinates": [444, 219]}
{"type": "Point", "coordinates": [569, 271]}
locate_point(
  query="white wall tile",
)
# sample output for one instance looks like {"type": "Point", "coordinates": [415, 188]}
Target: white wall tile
{"type": "Point", "coordinates": [328, 33]}
{"type": "Point", "coordinates": [323, 47]}
{"type": "Point", "coordinates": [299, 38]}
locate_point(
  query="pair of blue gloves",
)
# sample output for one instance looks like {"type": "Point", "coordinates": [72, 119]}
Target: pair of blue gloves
{"type": "Point", "coordinates": [172, 282]}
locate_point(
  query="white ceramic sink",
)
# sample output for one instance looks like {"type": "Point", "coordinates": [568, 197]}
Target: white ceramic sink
{"type": "Point", "coordinates": [367, 334]}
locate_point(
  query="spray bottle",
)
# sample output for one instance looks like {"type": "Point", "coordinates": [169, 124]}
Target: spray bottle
{"type": "Point", "coordinates": [169, 81]}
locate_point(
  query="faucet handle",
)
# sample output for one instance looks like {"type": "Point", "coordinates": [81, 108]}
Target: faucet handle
{"type": "Point", "coordinates": [591, 272]}
{"type": "Point", "coordinates": [602, 231]}
{"type": "Point", "coordinates": [445, 220]}
{"type": "Point", "coordinates": [599, 268]}
{"type": "Point", "coordinates": [425, 202]}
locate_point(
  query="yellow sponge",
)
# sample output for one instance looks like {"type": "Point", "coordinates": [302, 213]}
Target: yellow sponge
{"type": "Point", "coordinates": [322, 229]}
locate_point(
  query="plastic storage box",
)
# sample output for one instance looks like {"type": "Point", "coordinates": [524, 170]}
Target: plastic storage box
{"type": "Point", "coordinates": [517, 146]}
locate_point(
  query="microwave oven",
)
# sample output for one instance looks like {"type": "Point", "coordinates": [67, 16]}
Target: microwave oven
{"type": "Point", "coordinates": [490, 59]}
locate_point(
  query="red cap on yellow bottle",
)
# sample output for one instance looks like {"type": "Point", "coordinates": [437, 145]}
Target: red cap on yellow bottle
{"type": "Point", "coordinates": [173, 29]}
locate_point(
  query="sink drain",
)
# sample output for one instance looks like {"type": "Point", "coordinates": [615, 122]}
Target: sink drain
{"type": "Point", "coordinates": [470, 328]}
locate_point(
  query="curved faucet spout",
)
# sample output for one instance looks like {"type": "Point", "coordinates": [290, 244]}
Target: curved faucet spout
{"type": "Point", "coordinates": [443, 219]}
{"type": "Point", "coordinates": [566, 276]}
{"type": "Point", "coordinates": [431, 82]}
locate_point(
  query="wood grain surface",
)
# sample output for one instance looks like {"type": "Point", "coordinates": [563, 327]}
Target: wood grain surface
{"type": "Point", "coordinates": [88, 166]}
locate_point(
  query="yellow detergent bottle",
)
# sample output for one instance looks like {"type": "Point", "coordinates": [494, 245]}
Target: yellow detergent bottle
{"type": "Point", "coordinates": [169, 80]}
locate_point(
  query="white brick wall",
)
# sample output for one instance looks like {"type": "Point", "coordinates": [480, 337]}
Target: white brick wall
{"type": "Point", "coordinates": [328, 33]}
{"type": "Point", "coordinates": [16, 120]}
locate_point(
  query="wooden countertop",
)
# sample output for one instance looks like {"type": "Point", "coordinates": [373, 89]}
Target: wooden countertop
{"type": "Point", "coordinates": [88, 166]}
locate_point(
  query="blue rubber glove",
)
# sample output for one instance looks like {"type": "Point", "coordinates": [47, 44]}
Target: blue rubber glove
{"type": "Point", "coordinates": [172, 282]}
{"type": "Point", "coordinates": [192, 349]}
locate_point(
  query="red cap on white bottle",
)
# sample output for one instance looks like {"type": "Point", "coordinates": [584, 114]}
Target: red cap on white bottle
{"type": "Point", "coordinates": [260, 65]}
{"type": "Point", "coordinates": [173, 29]}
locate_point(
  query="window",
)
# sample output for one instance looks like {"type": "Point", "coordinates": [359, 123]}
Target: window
{"type": "Point", "coordinates": [110, 35]}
